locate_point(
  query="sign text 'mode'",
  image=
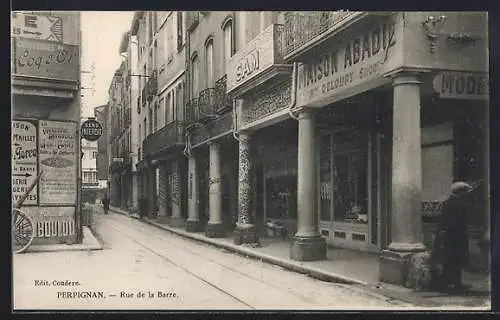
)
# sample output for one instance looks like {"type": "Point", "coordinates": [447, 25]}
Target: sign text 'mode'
{"type": "Point", "coordinates": [462, 85]}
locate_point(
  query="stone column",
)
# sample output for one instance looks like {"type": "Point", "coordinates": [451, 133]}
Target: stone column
{"type": "Point", "coordinates": [162, 201]}
{"type": "Point", "coordinates": [406, 215]}
{"type": "Point", "coordinates": [176, 220]}
{"type": "Point", "coordinates": [215, 227]}
{"type": "Point", "coordinates": [152, 190]}
{"type": "Point", "coordinates": [485, 242]}
{"type": "Point", "coordinates": [193, 223]}
{"type": "Point", "coordinates": [135, 189]}
{"type": "Point", "coordinates": [307, 244]}
{"type": "Point", "coordinates": [245, 231]}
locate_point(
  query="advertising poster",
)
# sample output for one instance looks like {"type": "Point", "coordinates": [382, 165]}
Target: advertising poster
{"type": "Point", "coordinates": [24, 160]}
{"type": "Point", "coordinates": [58, 160]}
{"type": "Point", "coordinates": [53, 222]}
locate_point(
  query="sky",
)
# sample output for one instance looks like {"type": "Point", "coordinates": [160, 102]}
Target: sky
{"type": "Point", "coordinates": [101, 35]}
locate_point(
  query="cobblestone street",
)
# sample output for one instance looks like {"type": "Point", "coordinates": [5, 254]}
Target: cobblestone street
{"type": "Point", "coordinates": [172, 273]}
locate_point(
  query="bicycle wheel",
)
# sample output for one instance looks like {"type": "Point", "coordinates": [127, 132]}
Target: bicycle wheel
{"type": "Point", "coordinates": [22, 231]}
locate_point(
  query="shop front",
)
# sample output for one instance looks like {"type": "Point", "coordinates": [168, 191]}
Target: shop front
{"type": "Point", "coordinates": [45, 127]}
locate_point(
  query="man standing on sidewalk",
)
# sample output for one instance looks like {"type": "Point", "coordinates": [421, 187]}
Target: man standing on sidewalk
{"type": "Point", "coordinates": [105, 204]}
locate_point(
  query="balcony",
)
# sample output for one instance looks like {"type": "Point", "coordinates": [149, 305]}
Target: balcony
{"type": "Point", "coordinates": [143, 96]}
{"type": "Point", "coordinates": [169, 136]}
{"type": "Point", "coordinates": [192, 20]}
{"type": "Point", "coordinates": [224, 102]}
{"type": "Point", "coordinates": [259, 63]}
{"type": "Point", "coordinates": [152, 86]}
{"type": "Point", "coordinates": [302, 29]}
{"type": "Point", "coordinates": [207, 102]}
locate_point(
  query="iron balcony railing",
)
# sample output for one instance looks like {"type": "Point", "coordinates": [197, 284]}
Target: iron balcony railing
{"type": "Point", "coordinates": [224, 102]}
{"type": "Point", "coordinates": [143, 96]}
{"type": "Point", "coordinates": [303, 27]}
{"type": "Point", "coordinates": [207, 103]}
{"type": "Point", "coordinates": [170, 135]}
{"type": "Point", "coordinates": [192, 20]}
{"type": "Point", "coordinates": [152, 86]}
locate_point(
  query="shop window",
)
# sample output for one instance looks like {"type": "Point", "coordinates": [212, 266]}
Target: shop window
{"type": "Point", "coordinates": [325, 178]}
{"type": "Point", "coordinates": [281, 197]}
{"type": "Point", "coordinates": [350, 187]}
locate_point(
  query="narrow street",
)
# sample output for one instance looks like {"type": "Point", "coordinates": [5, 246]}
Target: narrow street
{"type": "Point", "coordinates": [171, 273]}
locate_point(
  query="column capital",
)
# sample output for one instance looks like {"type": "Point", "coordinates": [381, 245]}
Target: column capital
{"type": "Point", "coordinates": [213, 143]}
{"type": "Point", "coordinates": [244, 136]}
{"type": "Point", "coordinates": [406, 75]}
{"type": "Point", "coordinates": [306, 113]}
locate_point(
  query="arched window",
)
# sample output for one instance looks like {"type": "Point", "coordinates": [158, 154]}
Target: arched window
{"type": "Point", "coordinates": [209, 61]}
{"type": "Point", "coordinates": [195, 76]}
{"type": "Point", "coordinates": [227, 52]}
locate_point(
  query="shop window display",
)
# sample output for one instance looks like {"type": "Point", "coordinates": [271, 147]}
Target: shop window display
{"type": "Point", "coordinates": [343, 177]}
{"type": "Point", "coordinates": [350, 187]}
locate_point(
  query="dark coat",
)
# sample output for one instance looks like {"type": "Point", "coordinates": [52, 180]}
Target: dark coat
{"type": "Point", "coordinates": [451, 244]}
{"type": "Point", "coordinates": [105, 203]}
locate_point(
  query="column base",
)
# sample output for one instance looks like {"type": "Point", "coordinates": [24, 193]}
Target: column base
{"type": "Point", "coordinates": [406, 269]}
{"type": "Point", "coordinates": [215, 230]}
{"type": "Point", "coordinates": [485, 246]}
{"type": "Point", "coordinates": [194, 226]}
{"type": "Point", "coordinates": [246, 234]}
{"type": "Point", "coordinates": [176, 222]}
{"type": "Point", "coordinates": [162, 219]}
{"type": "Point", "coordinates": [308, 248]}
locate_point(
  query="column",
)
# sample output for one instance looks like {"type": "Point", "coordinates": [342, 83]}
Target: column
{"type": "Point", "coordinates": [176, 220]}
{"type": "Point", "coordinates": [307, 244]}
{"type": "Point", "coordinates": [193, 223]}
{"type": "Point", "coordinates": [151, 190]}
{"type": "Point", "coordinates": [406, 216]}
{"type": "Point", "coordinates": [245, 231]}
{"type": "Point", "coordinates": [485, 242]}
{"type": "Point", "coordinates": [215, 227]}
{"type": "Point", "coordinates": [162, 201]}
{"type": "Point", "coordinates": [135, 189]}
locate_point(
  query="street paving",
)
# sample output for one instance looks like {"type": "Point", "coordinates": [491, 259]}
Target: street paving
{"type": "Point", "coordinates": [144, 267]}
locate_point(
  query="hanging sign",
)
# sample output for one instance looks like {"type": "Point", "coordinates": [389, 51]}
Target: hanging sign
{"type": "Point", "coordinates": [47, 59]}
{"type": "Point", "coordinates": [24, 160]}
{"type": "Point", "coordinates": [91, 130]}
{"type": "Point", "coordinates": [462, 85]}
{"type": "Point", "coordinates": [58, 159]}
{"type": "Point", "coordinates": [37, 27]}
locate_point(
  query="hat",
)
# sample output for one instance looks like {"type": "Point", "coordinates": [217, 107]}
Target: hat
{"type": "Point", "coordinates": [461, 187]}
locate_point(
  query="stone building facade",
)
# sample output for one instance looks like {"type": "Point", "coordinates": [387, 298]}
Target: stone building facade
{"type": "Point", "coordinates": [346, 129]}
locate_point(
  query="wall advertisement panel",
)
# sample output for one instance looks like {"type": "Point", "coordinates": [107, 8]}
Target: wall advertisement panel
{"type": "Point", "coordinates": [50, 148]}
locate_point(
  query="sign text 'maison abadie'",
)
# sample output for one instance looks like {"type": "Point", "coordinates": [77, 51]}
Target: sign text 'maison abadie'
{"type": "Point", "coordinates": [356, 60]}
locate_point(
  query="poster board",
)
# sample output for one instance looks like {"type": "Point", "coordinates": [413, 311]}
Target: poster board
{"type": "Point", "coordinates": [59, 161]}
{"type": "Point", "coordinates": [24, 160]}
{"type": "Point", "coordinates": [50, 147]}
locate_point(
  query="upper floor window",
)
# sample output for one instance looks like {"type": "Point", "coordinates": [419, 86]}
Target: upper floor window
{"type": "Point", "coordinates": [195, 76]}
{"type": "Point", "coordinates": [169, 110]}
{"type": "Point", "coordinates": [150, 120]}
{"type": "Point", "coordinates": [155, 117]}
{"type": "Point", "coordinates": [210, 61]}
{"type": "Point", "coordinates": [180, 30]}
{"type": "Point", "coordinates": [94, 155]}
{"type": "Point", "coordinates": [227, 52]}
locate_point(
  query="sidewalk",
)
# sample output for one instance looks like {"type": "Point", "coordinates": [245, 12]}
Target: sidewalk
{"type": "Point", "coordinates": [342, 265]}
